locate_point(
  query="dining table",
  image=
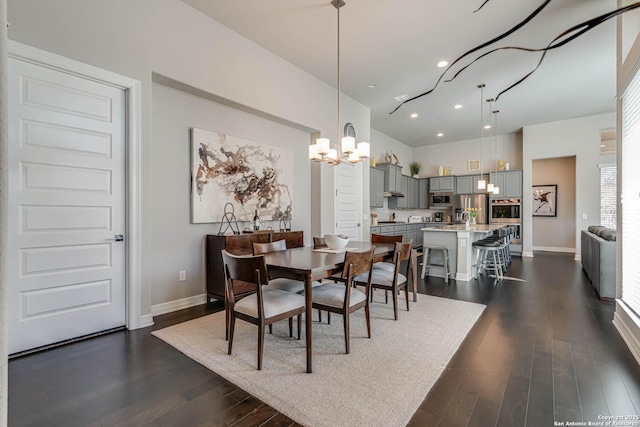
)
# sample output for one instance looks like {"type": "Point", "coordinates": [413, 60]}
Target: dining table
{"type": "Point", "coordinates": [308, 264]}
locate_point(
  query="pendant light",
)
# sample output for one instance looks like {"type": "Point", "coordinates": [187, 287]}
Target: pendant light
{"type": "Point", "coordinates": [496, 189]}
{"type": "Point", "coordinates": [482, 184]}
{"type": "Point", "coordinates": [490, 184]}
{"type": "Point", "coordinates": [347, 151]}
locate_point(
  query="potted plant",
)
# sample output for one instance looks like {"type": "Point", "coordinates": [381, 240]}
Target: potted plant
{"type": "Point", "coordinates": [415, 169]}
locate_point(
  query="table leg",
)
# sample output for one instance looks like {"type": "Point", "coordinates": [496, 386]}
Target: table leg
{"type": "Point", "coordinates": [414, 273]}
{"type": "Point", "coordinates": [308, 319]}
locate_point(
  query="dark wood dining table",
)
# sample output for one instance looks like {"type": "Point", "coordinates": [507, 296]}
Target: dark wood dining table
{"type": "Point", "coordinates": [306, 264]}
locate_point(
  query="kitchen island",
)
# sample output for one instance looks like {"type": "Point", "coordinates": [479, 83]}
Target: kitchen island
{"type": "Point", "coordinates": [459, 240]}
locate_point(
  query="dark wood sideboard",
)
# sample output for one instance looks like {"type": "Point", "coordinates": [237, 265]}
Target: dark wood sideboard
{"type": "Point", "coordinates": [238, 244]}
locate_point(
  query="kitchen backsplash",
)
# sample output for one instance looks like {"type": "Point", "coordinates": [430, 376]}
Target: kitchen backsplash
{"type": "Point", "coordinates": [403, 214]}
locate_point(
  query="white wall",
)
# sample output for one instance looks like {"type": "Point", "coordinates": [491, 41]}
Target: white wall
{"type": "Point", "coordinates": [556, 233]}
{"type": "Point", "coordinates": [576, 137]}
{"type": "Point", "coordinates": [175, 243]}
{"type": "Point", "coordinates": [168, 37]}
{"type": "Point", "coordinates": [382, 145]}
{"type": "Point", "coordinates": [456, 154]}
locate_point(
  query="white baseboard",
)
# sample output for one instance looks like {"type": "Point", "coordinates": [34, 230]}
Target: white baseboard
{"type": "Point", "coordinates": [179, 304]}
{"type": "Point", "coordinates": [527, 254]}
{"type": "Point", "coordinates": [578, 257]}
{"type": "Point", "coordinates": [626, 322]}
{"type": "Point", "coordinates": [146, 320]}
{"type": "Point", "coordinates": [554, 249]}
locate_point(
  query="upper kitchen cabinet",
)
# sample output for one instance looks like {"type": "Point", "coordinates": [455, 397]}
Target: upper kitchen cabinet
{"type": "Point", "coordinates": [401, 202]}
{"type": "Point", "coordinates": [423, 197]}
{"type": "Point", "coordinates": [442, 183]}
{"type": "Point", "coordinates": [509, 182]}
{"type": "Point", "coordinates": [376, 187]}
{"type": "Point", "coordinates": [468, 184]}
{"type": "Point", "coordinates": [392, 177]}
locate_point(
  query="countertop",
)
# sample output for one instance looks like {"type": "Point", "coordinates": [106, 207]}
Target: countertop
{"type": "Point", "coordinates": [480, 228]}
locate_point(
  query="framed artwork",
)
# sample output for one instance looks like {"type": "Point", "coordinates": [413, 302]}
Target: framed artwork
{"type": "Point", "coordinates": [473, 165]}
{"type": "Point", "coordinates": [249, 175]}
{"type": "Point", "coordinates": [545, 200]}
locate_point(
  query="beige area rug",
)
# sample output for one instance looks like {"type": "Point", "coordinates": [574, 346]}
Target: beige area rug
{"type": "Point", "coordinates": [382, 382]}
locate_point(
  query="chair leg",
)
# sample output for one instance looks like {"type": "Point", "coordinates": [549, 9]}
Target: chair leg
{"type": "Point", "coordinates": [270, 329]}
{"type": "Point", "coordinates": [319, 315]}
{"type": "Point", "coordinates": [424, 262]}
{"type": "Point", "coordinates": [395, 304]}
{"type": "Point", "coordinates": [406, 295]}
{"type": "Point", "coordinates": [226, 320]}
{"type": "Point", "coordinates": [232, 324]}
{"type": "Point", "coordinates": [260, 345]}
{"type": "Point", "coordinates": [346, 330]}
{"type": "Point", "coordinates": [299, 325]}
{"type": "Point", "coordinates": [368, 317]}
{"type": "Point", "coordinates": [386, 297]}
{"type": "Point", "coordinates": [290, 327]}
{"type": "Point", "coordinates": [328, 317]}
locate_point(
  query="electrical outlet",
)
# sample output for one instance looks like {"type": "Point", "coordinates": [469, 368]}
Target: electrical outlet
{"type": "Point", "coordinates": [463, 243]}
{"type": "Point", "coordinates": [584, 216]}
{"type": "Point", "coordinates": [183, 275]}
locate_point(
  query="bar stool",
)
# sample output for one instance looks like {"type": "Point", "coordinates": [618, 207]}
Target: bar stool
{"type": "Point", "coordinates": [489, 257]}
{"type": "Point", "coordinates": [426, 260]}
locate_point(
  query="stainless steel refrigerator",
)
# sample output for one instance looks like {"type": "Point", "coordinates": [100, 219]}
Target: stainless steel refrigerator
{"type": "Point", "coordinates": [472, 201]}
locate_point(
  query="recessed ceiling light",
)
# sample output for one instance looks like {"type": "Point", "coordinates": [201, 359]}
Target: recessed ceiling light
{"type": "Point", "coordinates": [372, 85]}
{"type": "Point", "coordinates": [601, 145]}
{"type": "Point", "coordinates": [487, 127]}
{"type": "Point", "coordinates": [457, 106]}
{"type": "Point", "coordinates": [414, 115]}
{"type": "Point", "coordinates": [442, 64]}
{"type": "Point", "coordinates": [441, 134]}
{"type": "Point", "coordinates": [401, 98]}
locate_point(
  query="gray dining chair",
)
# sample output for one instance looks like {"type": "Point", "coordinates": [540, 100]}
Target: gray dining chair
{"type": "Point", "coordinates": [342, 297]}
{"type": "Point", "coordinates": [262, 308]}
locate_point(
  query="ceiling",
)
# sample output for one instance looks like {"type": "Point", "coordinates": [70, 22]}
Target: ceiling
{"type": "Point", "coordinates": [396, 45]}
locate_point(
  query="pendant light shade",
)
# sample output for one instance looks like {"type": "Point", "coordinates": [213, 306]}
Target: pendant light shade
{"type": "Point", "coordinates": [496, 189]}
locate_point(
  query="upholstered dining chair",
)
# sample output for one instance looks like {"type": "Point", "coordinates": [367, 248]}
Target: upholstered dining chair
{"type": "Point", "coordinates": [343, 298]}
{"type": "Point", "coordinates": [379, 238]}
{"type": "Point", "coordinates": [390, 277]}
{"type": "Point", "coordinates": [262, 308]}
{"type": "Point", "coordinates": [289, 285]}
{"type": "Point", "coordinates": [318, 242]}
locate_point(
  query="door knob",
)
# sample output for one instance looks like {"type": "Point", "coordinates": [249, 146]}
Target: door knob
{"type": "Point", "coordinates": [116, 238]}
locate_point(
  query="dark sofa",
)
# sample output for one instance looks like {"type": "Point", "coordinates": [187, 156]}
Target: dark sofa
{"type": "Point", "coordinates": [598, 246]}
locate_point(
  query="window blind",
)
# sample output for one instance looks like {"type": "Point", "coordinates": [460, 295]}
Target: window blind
{"type": "Point", "coordinates": [630, 195]}
{"type": "Point", "coordinates": [608, 197]}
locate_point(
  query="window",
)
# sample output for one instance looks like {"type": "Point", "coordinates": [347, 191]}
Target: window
{"type": "Point", "coordinates": [630, 195]}
{"type": "Point", "coordinates": [608, 198]}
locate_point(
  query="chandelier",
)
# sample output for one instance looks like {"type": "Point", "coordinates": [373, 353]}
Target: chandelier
{"type": "Point", "coordinates": [347, 151]}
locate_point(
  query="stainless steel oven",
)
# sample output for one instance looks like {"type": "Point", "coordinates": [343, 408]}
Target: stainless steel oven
{"type": "Point", "coordinates": [506, 211]}
{"type": "Point", "coordinates": [440, 200]}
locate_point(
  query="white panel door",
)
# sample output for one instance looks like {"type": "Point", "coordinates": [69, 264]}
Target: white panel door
{"type": "Point", "coordinates": [66, 203]}
{"type": "Point", "coordinates": [348, 203]}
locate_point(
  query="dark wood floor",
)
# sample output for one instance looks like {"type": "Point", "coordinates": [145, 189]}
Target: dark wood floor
{"type": "Point", "coordinates": [543, 351]}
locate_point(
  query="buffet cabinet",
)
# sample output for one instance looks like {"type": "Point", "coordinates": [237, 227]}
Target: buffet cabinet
{"type": "Point", "coordinates": [239, 244]}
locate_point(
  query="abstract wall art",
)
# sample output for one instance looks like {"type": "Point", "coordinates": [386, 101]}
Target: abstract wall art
{"type": "Point", "coordinates": [251, 176]}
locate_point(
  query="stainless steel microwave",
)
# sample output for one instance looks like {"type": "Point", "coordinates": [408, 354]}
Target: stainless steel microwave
{"type": "Point", "coordinates": [440, 200]}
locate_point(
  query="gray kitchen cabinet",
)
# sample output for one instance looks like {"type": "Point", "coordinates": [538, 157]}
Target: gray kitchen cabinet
{"type": "Point", "coordinates": [392, 177]}
{"type": "Point", "coordinates": [415, 192]}
{"type": "Point", "coordinates": [423, 188]}
{"type": "Point", "coordinates": [375, 229]}
{"type": "Point", "coordinates": [442, 183]}
{"type": "Point", "coordinates": [509, 183]}
{"type": "Point", "coordinates": [513, 184]}
{"type": "Point", "coordinates": [401, 202]}
{"type": "Point", "coordinates": [376, 187]}
{"type": "Point", "coordinates": [404, 189]}
{"type": "Point", "coordinates": [468, 184]}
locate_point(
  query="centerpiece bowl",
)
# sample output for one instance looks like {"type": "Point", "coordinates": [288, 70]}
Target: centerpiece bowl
{"type": "Point", "coordinates": [336, 242]}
